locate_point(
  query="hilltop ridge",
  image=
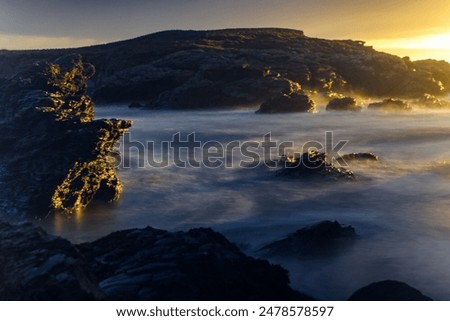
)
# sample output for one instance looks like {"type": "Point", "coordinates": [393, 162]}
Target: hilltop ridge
{"type": "Point", "coordinates": [234, 67]}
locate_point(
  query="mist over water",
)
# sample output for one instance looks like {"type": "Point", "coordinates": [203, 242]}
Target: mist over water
{"type": "Point", "coordinates": [399, 206]}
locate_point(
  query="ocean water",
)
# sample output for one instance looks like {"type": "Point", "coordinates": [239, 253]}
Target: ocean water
{"type": "Point", "coordinates": [400, 206]}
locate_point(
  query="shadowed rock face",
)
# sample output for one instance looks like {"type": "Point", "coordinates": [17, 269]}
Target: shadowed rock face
{"type": "Point", "coordinates": [38, 266]}
{"type": "Point", "coordinates": [322, 239]}
{"type": "Point", "coordinates": [200, 264]}
{"type": "Point", "coordinates": [292, 103]}
{"type": "Point", "coordinates": [57, 157]}
{"type": "Point", "coordinates": [390, 105]}
{"type": "Point", "coordinates": [388, 291]}
{"type": "Point", "coordinates": [139, 264]}
{"type": "Point", "coordinates": [343, 104]}
{"type": "Point", "coordinates": [236, 67]}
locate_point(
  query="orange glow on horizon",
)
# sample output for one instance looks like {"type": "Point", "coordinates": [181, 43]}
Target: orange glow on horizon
{"type": "Point", "coordinates": [433, 46]}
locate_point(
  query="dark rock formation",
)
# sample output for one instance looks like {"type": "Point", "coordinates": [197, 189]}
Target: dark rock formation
{"type": "Point", "coordinates": [288, 103]}
{"type": "Point", "coordinates": [38, 266]}
{"type": "Point", "coordinates": [370, 157]}
{"type": "Point", "coordinates": [139, 264]}
{"type": "Point", "coordinates": [390, 105]}
{"type": "Point", "coordinates": [388, 291]}
{"type": "Point", "coordinates": [311, 165]}
{"type": "Point", "coordinates": [343, 104]}
{"type": "Point", "coordinates": [236, 67]}
{"type": "Point", "coordinates": [58, 157]}
{"type": "Point", "coordinates": [322, 239]}
{"type": "Point", "coordinates": [200, 264]}
{"type": "Point", "coordinates": [135, 104]}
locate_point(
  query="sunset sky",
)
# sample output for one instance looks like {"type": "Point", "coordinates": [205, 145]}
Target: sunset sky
{"type": "Point", "coordinates": [419, 29]}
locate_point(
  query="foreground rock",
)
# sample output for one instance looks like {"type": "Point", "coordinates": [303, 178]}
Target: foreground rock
{"type": "Point", "coordinates": [390, 105]}
{"type": "Point", "coordinates": [311, 165]}
{"type": "Point", "coordinates": [343, 104]}
{"type": "Point", "coordinates": [388, 291]}
{"type": "Point", "coordinates": [139, 264]}
{"type": "Point", "coordinates": [57, 156]}
{"type": "Point", "coordinates": [38, 266]}
{"type": "Point", "coordinates": [288, 103]}
{"type": "Point", "coordinates": [322, 239]}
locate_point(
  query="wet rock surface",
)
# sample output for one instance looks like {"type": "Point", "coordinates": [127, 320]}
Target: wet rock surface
{"type": "Point", "coordinates": [388, 291]}
{"type": "Point", "coordinates": [322, 239]}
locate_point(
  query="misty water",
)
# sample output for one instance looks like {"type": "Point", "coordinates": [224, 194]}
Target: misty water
{"type": "Point", "coordinates": [400, 206]}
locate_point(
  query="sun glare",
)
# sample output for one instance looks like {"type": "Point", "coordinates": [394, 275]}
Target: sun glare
{"type": "Point", "coordinates": [435, 46]}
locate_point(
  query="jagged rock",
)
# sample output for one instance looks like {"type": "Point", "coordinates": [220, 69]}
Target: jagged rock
{"type": "Point", "coordinates": [390, 105]}
{"type": "Point", "coordinates": [38, 266]}
{"type": "Point", "coordinates": [288, 103]}
{"type": "Point", "coordinates": [388, 291]}
{"type": "Point", "coordinates": [58, 156]}
{"type": "Point", "coordinates": [321, 239]}
{"type": "Point", "coordinates": [236, 67]}
{"type": "Point", "coordinates": [151, 264]}
{"type": "Point", "coordinates": [311, 165]}
{"type": "Point", "coordinates": [343, 104]}
{"type": "Point", "coordinates": [138, 264]}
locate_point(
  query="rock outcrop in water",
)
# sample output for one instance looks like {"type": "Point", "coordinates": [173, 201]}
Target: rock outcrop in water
{"type": "Point", "coordinates": [390, 104]}
{"type": "Point", "coordinates": [322, 239]}
{"type": "Point", "coordinates": [236, 67]}
{"type": "Point", "coordinates": [311, 164]}
{"type": "Point", "coordinates": [343, 104]}
{"type": "Point", "coordinates": [388, 291]}
{"type": "Point", "coordinates": [150, 264]}
{"type": "Point", "coordinates": [288, 103]}
{"type": "Point", "coordinates": [139, 264]}
{"type": "Point", "coordinates": [58, 157]}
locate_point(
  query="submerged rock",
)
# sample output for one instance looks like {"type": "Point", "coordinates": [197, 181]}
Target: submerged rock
{"type": "Point", "coordinates": [388, 291]}
{"type": "Point", "coordinates": [370, 157]}
{"type": "Point", "coordinates": [288, 103]}
{"type": "Point", "coordinates": [310, 165]}
{"type": "Point", "coordinates": [138, 264]}
{"type": "Point", "coordinates": [390, 105]}
{"type": "Point", "coordinates": [321, 239]}
{"type": "Point", "coordinates": [59, 156]}
{"type": "Point", "coordinates": [343, 104]}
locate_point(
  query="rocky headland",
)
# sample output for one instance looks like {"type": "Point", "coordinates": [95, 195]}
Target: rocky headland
{"type": "Point", "coordinates": [235, 67]}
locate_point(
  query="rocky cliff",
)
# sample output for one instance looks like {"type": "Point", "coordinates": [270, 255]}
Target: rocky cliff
{"type": "Point", "coordinates": [235, 67]}
{"type": "Point", "coordinates": [54, 154]}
